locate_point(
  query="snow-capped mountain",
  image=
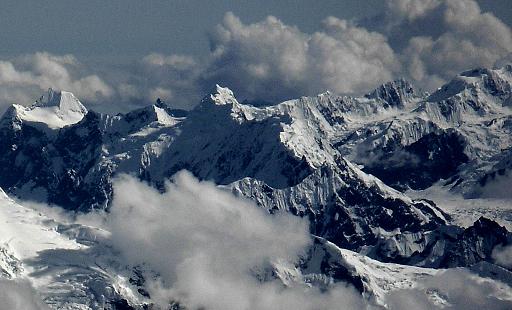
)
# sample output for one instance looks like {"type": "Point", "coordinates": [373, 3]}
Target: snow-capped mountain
{"type": "Point", "coordinates": [43, 160]}
{"type": "Point", "coordinates": [347, 165]}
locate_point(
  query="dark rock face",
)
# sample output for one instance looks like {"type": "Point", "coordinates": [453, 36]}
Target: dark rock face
{"type": "Point", "coordinates": [343, 208]}
{"type": "Point", "coordinates": [394, 94]}
{"type": "Point", "coordinates": [323, 258]}
{"type": "Point", "coordinates": [79, 148]}
{"type": "Point", "coordinates": [56, 163]}
{"type": "Point", "coordinates": [216, 145]}
{"type": "Point", "coordinates": [450, 246]}
{"type": "Point", "coordinates": [475, 244]}
{"type": "Point", "coordinates": [433, 157]}
{"type": "Point", "coordinates": [235, 151]}
{"type": "Point", "coordinates": [72, 166]}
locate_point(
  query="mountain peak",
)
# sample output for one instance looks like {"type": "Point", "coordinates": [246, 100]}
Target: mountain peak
{"type": "Point", "coordinates": [496, 82]}
{"type": "Point", "coordinates": [57, 109]}
{"type": "Point", "coordinates": [223, 96]}
{"type": "Point", "coordinates": [64, 100]}
{"type": "Point", "coordinates": [394, 93]}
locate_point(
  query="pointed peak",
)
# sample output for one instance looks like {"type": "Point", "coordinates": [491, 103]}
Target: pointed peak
{"type": "Point", "coordinates": [51, 98]}
{"type": "Point", "coordinates": [223, 96]}
{"type": "Point", "coordinates": [63, 100]}
{"type": "Point", "coordinates": [56, 109]}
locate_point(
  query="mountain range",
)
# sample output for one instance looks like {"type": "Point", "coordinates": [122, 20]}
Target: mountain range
{"type": "Point", "coordinates": [359, 170]}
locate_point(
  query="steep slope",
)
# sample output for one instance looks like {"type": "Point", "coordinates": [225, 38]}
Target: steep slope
{"type": "Point", "coordinates": [41, 161]}
{"type": "Point", "coordinates": [460, 128]}
{"type": "Point", "coordinates": [286, 147]}
{"type": "Point", "coordinates": [54, 111]}
{"type": "Point", "coordinates": [69, 265]}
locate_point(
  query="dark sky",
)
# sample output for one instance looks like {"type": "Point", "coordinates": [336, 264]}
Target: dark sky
{"type": "Point", "coordinates": [132, 28]}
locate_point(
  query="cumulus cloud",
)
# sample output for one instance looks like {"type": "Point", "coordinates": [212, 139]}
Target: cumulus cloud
{"type": "Point", "coordinates": [105, 87]}
{"type": "Point", "coordinates": [172, 78]}
{"type": "Point", "coordinates": [273, 61]}
{"type": "Point", "coordinates": [207, 245]}
{"type": "Point", "coordinates": [24, 79]}
{"type": "Point", "coordinates": [410, 9]}
{"type": "Point", "coordinates": [427, 41]}
{"type": "Point", "coordinates": [452, 289]}
{"type": "Point", "coordinates": [442, 38]}
{"type": "Point", "coordinates": [19, 295]}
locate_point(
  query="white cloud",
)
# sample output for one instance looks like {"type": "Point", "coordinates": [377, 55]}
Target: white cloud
{"type": "Point", "coordinates": [427, 41]}
{"type": "Point", "coordinates": [410, 9]}
{"type": "Point", "coordinates": [273, 61]}
{"type": "Point", "coordinates": [172, 78]}
{"type": "Point", "coordinates": [445, 38]}
{"type": "Point", "coordinates": [24, 79]}
{"type": "Point", "coordinates": [179, 62]}
{"type": "Point", "coordinates": [19, 295]}
{"type": "Point", "coordinates": [205, 244]}
{"type": "Point", "coordinates": [452, 289]}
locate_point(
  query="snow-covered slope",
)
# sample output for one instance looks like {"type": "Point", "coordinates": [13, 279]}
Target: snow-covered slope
{"type": "Point", "coordinates": [56, 110]}
{"type": "Point", "coordinates": [80, 159]}
{"type": "Point", "coordinates": [336, 161]}
{"type": "Point", "coordinates": [462, 128]}
{"type": "Point", "coordinates": [69, 265]}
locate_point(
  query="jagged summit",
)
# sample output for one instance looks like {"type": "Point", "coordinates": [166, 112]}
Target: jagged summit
{"type": "Point", "coordinates": [56, 110]}
{"type": "Point", "coordinates": [394, 93]}
{"type": "Point", "coordinates": [223, 95]}
{"type": "Point", "coordinates": [479, 81]}
{"type": "Point", "coordinates": [329, 159]}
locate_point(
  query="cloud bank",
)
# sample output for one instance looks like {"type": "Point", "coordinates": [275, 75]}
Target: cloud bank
{"type": "Point", "coordinates": [207, 245]}
{"type": "Point", "coordinates": [275, 61]}
{"type": "Point", "coordinates": [427, 42]}
{"type": "Point", "coordinates": [25, 78]}
{"type": "Point", "coordinates": [443, 38]}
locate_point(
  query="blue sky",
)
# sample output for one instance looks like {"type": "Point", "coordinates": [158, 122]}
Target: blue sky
{"type": "Point", "coordinates": [116, 55]}
{"type": "Point", "coordinates": [131, 28]}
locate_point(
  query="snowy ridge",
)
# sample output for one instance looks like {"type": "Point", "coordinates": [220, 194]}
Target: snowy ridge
{"type": "Point", "coordinates": [69, 271]}
{"type": "Point", "coordinates": [342, 163]}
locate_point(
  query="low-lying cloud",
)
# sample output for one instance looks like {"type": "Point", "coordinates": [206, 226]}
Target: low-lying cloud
{"type": "Point", "coordinates": [496, 187]}
{"type": "Point", "coordinates": [16, 294]}
{"type": "Point", "coordinates": [207, 245]}
{"type": "Point", "coordinates": [502, 256]}
{"type": "Point", "coordinates": [452, 289]}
